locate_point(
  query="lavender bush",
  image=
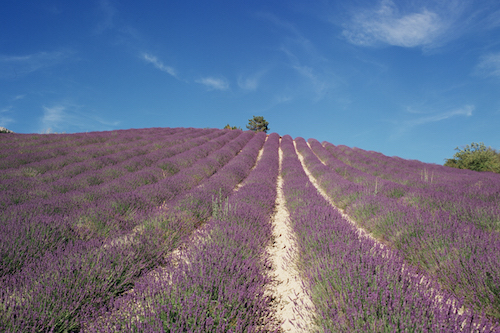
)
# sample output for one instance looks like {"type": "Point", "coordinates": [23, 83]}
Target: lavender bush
{"type": "Point", "coordinates": [355, 284]}
{"type": "Point", "coordinates": [218, 285]}
{"type": "Point", "coordinates": [89, 223]}
{"type": "Point", "coordinates": [444, 244]}
{"type": "Point", "coordinates": [53, 290]}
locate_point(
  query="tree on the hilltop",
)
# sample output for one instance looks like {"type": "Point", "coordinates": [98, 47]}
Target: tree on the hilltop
{"type": "Point", "coordinates": [258, 124]}
{"type": "Point", "coordinates": [231, 127]}
{"type": "Point", "coordinates": [475, 157]}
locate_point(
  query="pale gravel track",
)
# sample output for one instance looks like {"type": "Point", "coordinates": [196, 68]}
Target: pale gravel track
{"type": "Point", "coordinates": [163, 207]}
{"type": "Point", "coordinates": [361, 231]}
{"type": "Point", "coordinates": [293, 304]}
{"type": "Point", "coordinates": [259, 156]}
{"type": "Point", "coordinates": [177, 254]}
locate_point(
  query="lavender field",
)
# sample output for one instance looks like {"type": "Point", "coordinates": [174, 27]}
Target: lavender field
{"type": "Point", "coordinates": [171, 230]}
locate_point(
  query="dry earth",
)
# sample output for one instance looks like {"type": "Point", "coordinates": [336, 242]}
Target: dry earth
{"type": "Point", "coordinates": [293, 304]}
{"type": "Point", "coordinates": [361, 232]}
{"type": "Point", "coordinates": [294, 307]}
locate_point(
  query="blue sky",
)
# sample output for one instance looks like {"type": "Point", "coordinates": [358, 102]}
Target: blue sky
{"type": "Point", "coordinates": [413, 79]}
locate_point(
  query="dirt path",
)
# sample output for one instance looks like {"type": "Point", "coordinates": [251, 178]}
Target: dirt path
{"type": "Point", "coordinates": [259, 156]}
{"type": "Point", "coordinates": [294, 305]}
{"type": "Point", "coordinates": [361, 232]}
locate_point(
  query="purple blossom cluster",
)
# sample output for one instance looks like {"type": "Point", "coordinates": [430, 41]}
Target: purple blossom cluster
{"type": "Point", "coordinates": [176, 219]}
{"type": "Point", "coordinates": [29, 229]}
{"type": "Point", "coordinates": [366, 183]}
{"type": "Point", "coordinates": [219, 283]}
{"type": "Point", "coordinates": [199, 200]}
{"type": "Point", "coordinates": [53, 275]}
{"type": "Point", "coordinates": [356, 284]}
{"type": "Point", "coordinates": [89, 223]}
{"type": "Point", "coordinates": [37, 181]}
{"type": "Point", "coordinates": [116, 191]}
{"type": "Point", "coordinates": [448, 244]}
{"type": "Point", "coordinates": [22, 149]}
{"type": "Point", "coordinates": [467, 194]}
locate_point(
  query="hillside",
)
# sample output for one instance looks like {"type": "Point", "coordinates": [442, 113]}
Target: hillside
{"type": "Point", "coordinates": [202, 230]}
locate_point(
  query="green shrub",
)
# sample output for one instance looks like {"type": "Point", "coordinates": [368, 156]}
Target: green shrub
{"type": "Point", "coordinates": [475, 157]}
{"type": "Point", "coordinates": [231, 127]}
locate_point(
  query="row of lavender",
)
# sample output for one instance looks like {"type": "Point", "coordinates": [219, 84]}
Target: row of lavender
{"type": "Point", "coordinates": [412, 171]}
{"type": "Point", "coordinates": [469, 195]}
{"type": "Point", "coordinates": [219, 283]}
{"type": "Point", "coordinates": [223, 279]}
{"type": "Point", "coordinates": [357, 285]}
{"type": "Point", "coordinates": [29, 143]}
{"type": "Point", "coordinates": [416, 174]}
{"type": "Point", "coordinates": [464, 257]}
{"type": "Point", "coordinates": [22, 149]}
{"type": "Point", "coordinates": [32, 228]}
{"type": "Point", "coordinates": [68, 277]}
{"type": "Point", "coordinates": [95, 165]}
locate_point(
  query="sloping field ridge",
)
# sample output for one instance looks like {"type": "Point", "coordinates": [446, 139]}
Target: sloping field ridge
{"type": "Point", "coordinates": [187, 229]}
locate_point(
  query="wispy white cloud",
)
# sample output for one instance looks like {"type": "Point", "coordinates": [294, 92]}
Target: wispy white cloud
{"type": "Point", "coordinates": [425, 23]}
{"type": "Point", "coordinates": [273, 102]}
{"type": "Point", "coordinates": [294, 35]}
{"type": "Point", "coordinates": [67, 117]}
{"type": "Point", "coordinates": [387, 24]}
{"type": "Point", "coordinates": [463, 111]}
{"type": "Point", "coordinates": [318, 85]}
{"type": "Point", "coordinates": [493, 19]}
{"type": "Point", "coordinates": [54, 116]}
{"type": "Point", "coordinates": [5, 119]}
{"type": "Point", "coordinates": [108, 123]}
{"type": "Point", "coordinates": [404, 126]}
{"type": "Point", "coordinates": [304, 59]}
{"type": "Point", "coordinates": [159, 64]}
{"type": "Point", "coordinates": [279, 99]}
{"type": "Point", "coordinates": [6, 109]}
{"type": "Point", "coordinates": [15, 66]}
{"type": "Point", "coordinates": [316, 82]}
{"type": "Point", "coordinates": [250, 82]}
{"type": "Point", "coordinates": [489, 65]}
{"type": "Point", "coordinates": [214, 83]}
{"type": "Point", "coordinates": [107, 12]}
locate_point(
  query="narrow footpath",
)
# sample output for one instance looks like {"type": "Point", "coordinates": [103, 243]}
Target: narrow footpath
{"type": "Point", "coordinates": [294, 305]}
{"type": "Point", "coordinates": [361, 232]}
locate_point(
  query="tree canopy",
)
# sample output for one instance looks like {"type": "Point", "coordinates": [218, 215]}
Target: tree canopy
{"type": "Point", "coordinates": [475, 157]}
{"type": "Point", "coordinates": [258, 124]}
{"type": "Point", "coordinates": [231, 127]}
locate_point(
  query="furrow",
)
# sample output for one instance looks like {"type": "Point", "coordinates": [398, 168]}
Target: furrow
{"type": "Point", "coordinates": [294, 304]}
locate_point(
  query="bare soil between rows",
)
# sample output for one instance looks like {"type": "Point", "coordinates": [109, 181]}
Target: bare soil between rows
{"type": "Point", "coordinates": [293, 304]}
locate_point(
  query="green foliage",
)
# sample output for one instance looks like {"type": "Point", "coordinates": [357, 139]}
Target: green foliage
{"type": "Point", "coordinates": [258, 124]}
{"type": "Point", "coordinates": [231, 127]}
{"type": "Point", "coordinates": [475, 157]}
{"type": "Point", "coordinates": [221, 208]}
{"type": "Point", "coordinates": [5, 130]}
{"type": "Point", "coordinates": [30, 172]}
